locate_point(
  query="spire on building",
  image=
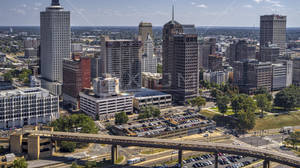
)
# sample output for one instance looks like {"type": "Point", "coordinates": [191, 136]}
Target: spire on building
{"type": "Point", "coordinates": [55, 3]}
{"type": "Point", "coordinates": [173, 12]}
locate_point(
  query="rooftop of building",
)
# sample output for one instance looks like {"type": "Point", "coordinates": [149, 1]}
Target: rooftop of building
{"type": "Point", "coordinates": [25, 91]}
{"type": "Point", "coordinates": [152, 75]}
{"type": "Point", "coordinates": [91, 94]}
{"type": "Point", "coordinates": [144, 92]}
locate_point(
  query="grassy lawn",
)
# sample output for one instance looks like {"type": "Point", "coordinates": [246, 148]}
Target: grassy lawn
{"type": "Point", "coordinates": [209, 114]}
{"type": "Point", "coordinates": [229, 111]}
{"type": "Point", "coordinates": [120, 159]}
{"type": "Point", "coordinates": [272, 122]}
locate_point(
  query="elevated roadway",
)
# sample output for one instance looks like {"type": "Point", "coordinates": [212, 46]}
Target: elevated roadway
{"type": "Point", "coordinates": [267, 155]}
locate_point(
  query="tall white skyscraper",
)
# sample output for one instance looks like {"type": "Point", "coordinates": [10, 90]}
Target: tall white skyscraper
{"type": "Point", "coordinates": [55, 45]}
{"type": "Point", "coordinates": [149, 60]}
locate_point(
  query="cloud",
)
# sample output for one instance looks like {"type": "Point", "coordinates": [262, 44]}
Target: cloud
{"type": "Point", "coordinates": [248, 6]}
{"type": "Point", "coordinates": [201, 6]}
{"type": "Point", "coordinates": [272, 2]}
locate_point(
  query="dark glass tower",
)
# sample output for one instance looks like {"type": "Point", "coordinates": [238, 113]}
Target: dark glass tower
{"type": "Point", "coordinates": [180, 61]}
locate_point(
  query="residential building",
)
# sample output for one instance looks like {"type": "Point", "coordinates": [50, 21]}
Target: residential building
{"type": "Point", "coordinates": [273, 30]}
{"type": "Point", "coordinates": [76, 77]}
{"type": "Point", "coordinates": [282, 75]}
{"type": "Point", "coordinates": [29, 106]}
{"type": "Point", "coordinates": [55, 46]}
{"type": "Point", "coordinates": [122, 59]}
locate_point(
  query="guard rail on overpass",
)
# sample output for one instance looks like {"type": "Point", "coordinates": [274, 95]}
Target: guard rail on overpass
{"type": "Point", "coordinates": [267, 155]}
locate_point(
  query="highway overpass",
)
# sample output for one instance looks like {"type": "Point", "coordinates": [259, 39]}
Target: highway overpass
{"type": "Point", "coordinates": [267, 155]}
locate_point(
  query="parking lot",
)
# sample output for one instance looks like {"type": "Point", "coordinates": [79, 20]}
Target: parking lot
{"type": "Point", "coordinates": [225, 161]}
{"type": "Point", "coordinates": [167, 123]}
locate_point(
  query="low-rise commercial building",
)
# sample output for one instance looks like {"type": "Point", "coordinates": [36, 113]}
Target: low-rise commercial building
{"type": "Point", "coordinates": [29, 106]}
{"type": "Point", "coordinates": [146, 97]}
{"type": "Point", "coordinates": [105, 100]}
{"type": "Point", "coordinates": [104, 108]}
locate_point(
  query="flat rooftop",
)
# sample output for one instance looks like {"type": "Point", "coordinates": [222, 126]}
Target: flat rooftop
{"type": "Point", "coordinates": [144, 92]}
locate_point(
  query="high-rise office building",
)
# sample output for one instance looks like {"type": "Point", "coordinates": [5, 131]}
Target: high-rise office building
{"type": "Point", "coordinates": [55, 45]}
{"type": "Point", "coordinates": [251, 75]}
{"type": "Point", "coordinates": [273, 30]}
{"type": "Point", "coordinates": [241, 50]}
{"type": "Point", "coordinates": [269, 52]}
{"type": "Point", "coordinates": [149, 60]}
{"type": "Point", "coordinates": [76, 76]}
{"type": "Point", "coordinates": [122, 59]}
{"type": "Point", "coordinates": [145, 29]}
{"type": "Point", "coordinates": [180, 61]}
{"type": "Point", "coordinates": [206, 48]}
{"type": "Point", "coordinates": [215, 63]}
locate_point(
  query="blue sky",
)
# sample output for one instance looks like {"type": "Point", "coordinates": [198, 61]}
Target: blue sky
{"type": "Point", "coordinates": [131, 12]}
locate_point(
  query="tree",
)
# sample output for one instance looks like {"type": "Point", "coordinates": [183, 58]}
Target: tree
{"type": "Point", "coordinates": [75, 165]}
{"type": "Point", "coordinates": [148, 112]}
{"type": "Point", "coordinates": [263, 90]}
{"type": "Point", "coordinates": [121, 118]}
{"type": "Point", "coordinates": [237, 102]}
{"type": "Point", "coordinates": [8, 76]}
{"type": "Point", "coordinates": [222, 102]}
{"type": "Point", "coordinates": [263, 103]}
{"type": "Point", "coordinates": [74, 123]}
{"type": "Point", "coordinates": [286, 99]}
{"type": "Point", "coordinates": [20, 163]}
{"type": "Point", "coordinates": [66, 146]}
{"type": "Point", "coordinates": [216, 92]}
{"type": "Point", "coordinates": [246, 120]}
{"type": "Point", "coordinates": [90, 164]}
{"type": "Point", "coordinates": [198, 101]}
{"type": "Point", "coordinates": [159, 68]}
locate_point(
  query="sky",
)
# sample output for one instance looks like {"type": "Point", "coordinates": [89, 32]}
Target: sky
{"type": "Point", "coordinates": [240, 13]}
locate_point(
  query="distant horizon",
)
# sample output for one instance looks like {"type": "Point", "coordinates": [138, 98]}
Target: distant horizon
{"type": "Point", "coordinates": [162, 26]}
{"type": "Point", "coordinates": [223, 13]}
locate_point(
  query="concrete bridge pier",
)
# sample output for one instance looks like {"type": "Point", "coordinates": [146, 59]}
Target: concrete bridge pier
{"type": "Point", "coordinates": [216, 160]}
{"type": "Point", "coordinates": [266, 164]}
{"type": "Point", "coordinates": [114, 154]}
{"type": "Point", "coordinates": [180, 159]}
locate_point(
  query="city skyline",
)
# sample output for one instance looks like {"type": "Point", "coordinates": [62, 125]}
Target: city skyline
{"type": "Point", "coordinates": [114, 13]}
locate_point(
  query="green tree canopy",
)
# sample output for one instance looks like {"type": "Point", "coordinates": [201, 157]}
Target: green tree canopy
{"type": "Point", "coordinates": [121, 118]}
{"type": "Point", "coordinates": [149, 111]}
{"type": "Point", "coordinates": [222, 103]}
{"type": "Point", "coordinates": [288, 98]}
{"type": "Point", "coordinates": [263, 103]}
{"type": "Point", "coordinates": [197, 101]}
{"type": "Point", "coordinates": [20, 163]}
{"type": "Point", "coordinates": [246, 120]}
{"type": "Point", "coordinates": [237, 102]}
